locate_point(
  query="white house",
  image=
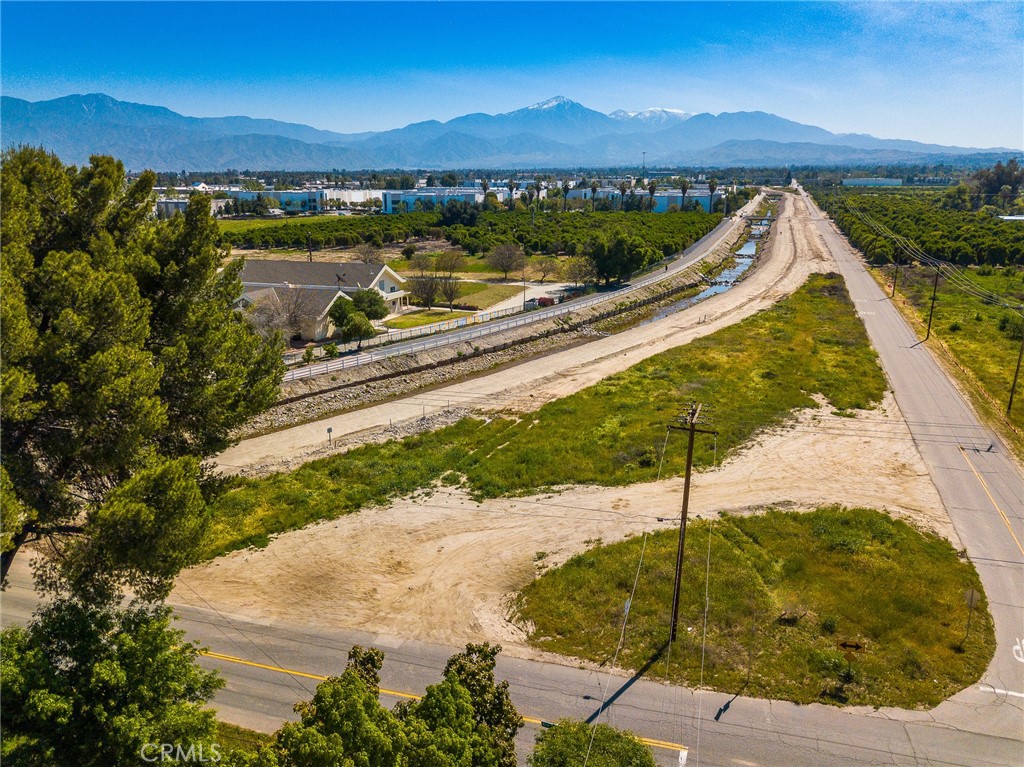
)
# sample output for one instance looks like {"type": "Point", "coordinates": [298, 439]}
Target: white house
{"type": "Point", "coordinates": [305, 291]}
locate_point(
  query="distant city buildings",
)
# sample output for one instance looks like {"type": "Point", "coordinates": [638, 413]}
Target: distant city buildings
{"type": "Point", "coordinates": [321, 196]}
{"type": "Point", "coordinates": [872, 182]}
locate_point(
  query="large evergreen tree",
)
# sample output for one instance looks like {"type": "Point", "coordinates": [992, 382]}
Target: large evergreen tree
{"type": "Point", "coordinates": [124, 367]}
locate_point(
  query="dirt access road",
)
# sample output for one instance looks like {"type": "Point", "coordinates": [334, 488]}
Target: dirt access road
{"type": "Point", "coordinates": [438, 566]}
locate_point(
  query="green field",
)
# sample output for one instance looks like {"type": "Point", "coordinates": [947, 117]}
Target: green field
{"type": "Point", "coordinates": [969, 327]}
{"type": "Point", "coordinates": [755, 374]}
{"type": "Point", "coordinates": [784, 588]}
{"type": "Point", "coordinates": [472, 265]}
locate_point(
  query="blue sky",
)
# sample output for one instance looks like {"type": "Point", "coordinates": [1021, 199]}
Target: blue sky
{"type": "Point", "coordinates": [950, 73]}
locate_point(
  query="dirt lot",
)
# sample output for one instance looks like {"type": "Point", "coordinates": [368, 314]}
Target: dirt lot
{"type": "Point", "coordinates": [438, 566]}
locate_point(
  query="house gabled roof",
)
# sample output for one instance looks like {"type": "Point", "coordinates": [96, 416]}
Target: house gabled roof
{"type": "Point", "coordinates": [313, 303]}
{"type": "Point", "coordinates": [351, 275]}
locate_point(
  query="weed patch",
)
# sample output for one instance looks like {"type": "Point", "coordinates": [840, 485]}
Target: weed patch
{"type": "Point", "coordinates": [755, 374]}
{"type": "Point", "coordinates": [785, 588]}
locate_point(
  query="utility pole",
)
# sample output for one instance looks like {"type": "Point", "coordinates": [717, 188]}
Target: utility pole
{"type": "Point", "coordinates": [935, 287]}
{"type": "Point", "coordinates": [690, 421]}
{"type": "Point", "coordinates": [895, 274]}
{"type": "Point", "coordinates": [1016, 375]}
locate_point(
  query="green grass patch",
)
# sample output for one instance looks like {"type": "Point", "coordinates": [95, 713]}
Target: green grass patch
{"type": "Point", "coordinates": [232, 738]}
{"type": "Point", "coordinates": [485, 295]}
{"type": "Point", "coordinates": [970, 328]}
{"type": "Point", "coordinates": [425, 317]}
{"type": "Point", "coordinates": [755, 374]}
{"type": "Point", "coordinates": [474, 265]}
{"type": "Point", "coordinates": [784, 588]}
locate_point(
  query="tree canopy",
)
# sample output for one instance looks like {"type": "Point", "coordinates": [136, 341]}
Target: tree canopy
{"type": "Point", "coordinates": [569, 744]}
{"type": "Point", "coordinates": [125, 366]}
{"type": "Point", "coordinates": [93, 686]}
{"type": "Point", "coordinates": [505, 258]}
{"type": "Point", "coordinates": [466, 720]}
{"type": "Point", "coordinates": [937, 223]}
{"type": "Point", "coordinates": [371, 303]}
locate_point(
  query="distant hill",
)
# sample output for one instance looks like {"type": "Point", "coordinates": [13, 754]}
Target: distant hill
{"type": "Point", "coordinates": [557, 132]}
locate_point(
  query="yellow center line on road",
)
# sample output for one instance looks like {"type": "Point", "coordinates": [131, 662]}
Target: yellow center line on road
{"type": "Point", "coordinates": [984, 487]}
{"type": "Point", "coordinates": [291, 672]}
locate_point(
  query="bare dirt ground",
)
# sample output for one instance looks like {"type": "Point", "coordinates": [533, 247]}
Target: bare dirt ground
{"type": "Point", "coordinates": [438, 566]}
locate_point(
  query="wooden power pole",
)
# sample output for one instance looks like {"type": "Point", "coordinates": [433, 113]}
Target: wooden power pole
{"type": "Point", "coordinates": [935, 290]}
{"type": "Point", "coordinates": [690, 421]}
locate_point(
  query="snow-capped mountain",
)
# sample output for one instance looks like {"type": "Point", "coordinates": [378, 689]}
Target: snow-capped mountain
{"type": "Point", "coordinates": [557, 132]}
{"type": "Point", "coordinates": [551, 102]}
{"type": "Point", "coordinates": [659, 116]}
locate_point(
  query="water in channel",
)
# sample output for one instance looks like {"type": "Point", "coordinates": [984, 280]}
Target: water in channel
{"type": "Point", "coordinates": [725, 280]}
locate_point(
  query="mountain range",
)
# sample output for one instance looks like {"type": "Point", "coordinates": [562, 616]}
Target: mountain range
{"type": "Point", "coordinates": [554, 133]}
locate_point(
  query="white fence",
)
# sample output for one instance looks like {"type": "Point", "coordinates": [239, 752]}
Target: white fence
{"type": "Point", "coordinates": [461, 330]}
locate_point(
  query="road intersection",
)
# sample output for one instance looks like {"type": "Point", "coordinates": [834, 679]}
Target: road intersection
{"type": "Point", "coordinates": [269, 667]}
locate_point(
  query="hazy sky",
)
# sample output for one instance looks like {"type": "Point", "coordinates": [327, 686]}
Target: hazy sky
{"type": "Point", "coordinates": [950, 73]}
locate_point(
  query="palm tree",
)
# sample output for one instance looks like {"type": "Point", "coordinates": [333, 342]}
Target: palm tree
{"type": "Point", "coordinates": [683, 186]}
{"type": "Point", "coordinates": [593, 195]}
{"type": "Point", "coordinates": [565, 194]}
{"type": "Point", "coordinates": [712, 186]}
{"type": "Point", "coordinates": [623, 186]}
{"type": "Point", "coordinates": [651, 189]}
{"type": "Point", "coordinates": [485, 186]}
{"type": "Point", "coordinates": [512, 186]}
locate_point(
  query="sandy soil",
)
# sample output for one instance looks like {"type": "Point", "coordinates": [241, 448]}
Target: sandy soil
{"type": "Point", "coordinates": [438, 566]}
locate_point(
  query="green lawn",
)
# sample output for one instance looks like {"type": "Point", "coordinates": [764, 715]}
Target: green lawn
{"type": "Point", "coordinates": [424, 317]}
{"type": "Point", "coordinates": [485, 295]}
{"type": "Point", "coordinates": [784, 589]}
{"type": "Point", "coordinates": [755, 374]}
{"type": "Point", "coordinates": [472, 265]}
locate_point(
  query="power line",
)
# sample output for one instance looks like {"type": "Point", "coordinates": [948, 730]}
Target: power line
{"type": "Point", "coordinates": [954, 274]}
{"type": "Point", "coordinates": [625, 621]}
